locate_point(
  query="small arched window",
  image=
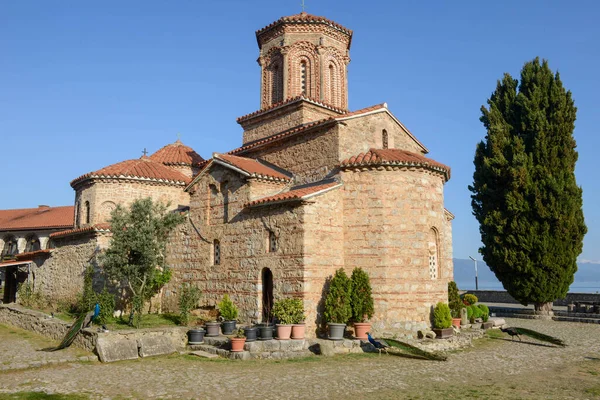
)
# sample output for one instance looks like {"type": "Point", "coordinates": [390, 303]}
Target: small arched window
{"type": "Point", "coordinates": [331, 84]}
{"type": "Point", "coordinates": [384, 139]}
{"type": "Point", "coordinates": [10, 246]}
{"type": "Point", "coordinates": [87, 212]}
{"type": "Point", "coordinates": [77, 214]}
{"type": "Point", "coordinates": [272, 243]}
{"type": "Point", "coordinates": [217, 252]}
{"type": "Point", "coordinates": [433, 257]}
{"type": "Point", "coordinates": [33, 243]}
{"type": "Point", "coordinates": [303, 76]}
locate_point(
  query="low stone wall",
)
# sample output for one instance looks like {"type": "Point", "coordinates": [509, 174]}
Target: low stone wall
{"type": "Point", "coordinates": [501, 296]}
{"type": "Point", "coordinates": [44, 324]}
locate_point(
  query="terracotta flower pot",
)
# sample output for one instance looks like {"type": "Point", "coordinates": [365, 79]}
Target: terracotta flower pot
{"type": "Point", "coordinates": [361, 329]}
{"type": "Point", "coordinates": [456, 322]}
{"type": "Point", "coordinates": [237, 344]}
{"type": "Point", "coordinates": [298, 331]}
{"type": "Point", "coordinates": [284, 332]}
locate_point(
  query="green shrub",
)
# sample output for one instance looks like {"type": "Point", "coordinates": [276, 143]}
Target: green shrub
{"type": "Point", "coordinates": [361, 297]}
{"type": "Point", "coordinates": [227, 309]}
{"type": "Point", "coordinates": [475, 313]}
{"type": "Point", "coordinates": [28, 297]}
{"type": "Point", "coordinates": [469, 299]}
{"type": "Point", "coordinates": [289, 311]}
{"type": "Point", "coordinates": [485, 312]}
{"type": "Point", "coordinates": [88, 299]}
{"type": "Point", "coordinates": [454, 301]}
{"type": "Point", "coordinates": [338, 307]}
{"type": "Point", "coordinates": [189, 295]}
{"type": "Point", "coordinates": [469, 313]}
{"type": "Point", "coordinates": [442, 318]}
{"type": "Point", "coordinates": [106, 300]}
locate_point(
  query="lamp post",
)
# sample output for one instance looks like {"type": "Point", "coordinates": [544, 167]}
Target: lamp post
{"type": "Point", "coordinates": [476, 283]}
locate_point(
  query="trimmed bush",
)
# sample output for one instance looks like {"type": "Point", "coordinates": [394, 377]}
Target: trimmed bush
{"type": "Point", "coordinates": [227, 309]}
{"type": "Point", "coordinates": [442, 318]}
{"type": "Point", "coordinates": [338, 308]}
{"type": "Point", "coordinates": [475, 313]}
{"type": "Point", "coordinates": [469, 313]}
{"type": "Point", "coordinates": [454, 301]}
{"type": "Point", "coordinates": [188, 300]}
{"type": "Point", "coordinates": [469, 299]}
{"type": "Point", "coordinates": [361, 296]}
{"type": "Point", "coordinates": [485, 312]}
{"type": "Point", "coordinates": [289, 311]}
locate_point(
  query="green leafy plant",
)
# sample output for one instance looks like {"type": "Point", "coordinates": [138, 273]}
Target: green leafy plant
{"type": "Point", "coordinates": [475, 313]}
{"type": "Point", "coordinates": [28, 296]}
{"type": "Point", "coordinates": [454, 301]}
{"type": "Point", "coordinates": [338, 307]}
{"type": "Point", "coordinates": [89, 298]}
{"type": "Point", "coordinates": [442, 318]}
{"type": "Point", "coordinates": [361, 297]}
{"type": "Point", "coordinates": [240, 333]}
{"type": "Point", "coordinates": [189, 295]}
{"type": "Point", "coordinates": [485, 312]}
{"type": "Point", "coordinates": [227, 309]}
{"type": "Point", "coordinates": [469, 299]}
{"type": "Point", "coordinates": [289, 311]}
{"type": "Point", "coordinates": [469, 313]}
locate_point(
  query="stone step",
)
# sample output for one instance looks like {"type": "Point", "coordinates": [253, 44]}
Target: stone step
{"type": "Point", "coordinates": [203, 354]}
{"type": "Point", "coordinates": [577, 319]}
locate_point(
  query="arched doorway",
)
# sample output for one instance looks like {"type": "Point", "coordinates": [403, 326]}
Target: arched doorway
{"type": "Point", "coordinates": [267, 294]}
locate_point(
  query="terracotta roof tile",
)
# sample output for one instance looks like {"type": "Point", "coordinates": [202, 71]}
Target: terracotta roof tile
{"type": "Point", "coordinates": [177, 154]}
{"type": "Point", "coordinates": [36, 218]}
{"type": "Point", "coordinates": [253, 167]}
{"type": "Point", "coordinates": [297, 194]}
{"type": "Point", "coordinates": [286, 102]}
{"type": "Point", "coordinates": [304, 18]}
{"type": "Point", "coordinates": [394, 157]}
{"type": "Point", "coordinates": [102, 227]}
{"type": "Point", "coordinates": [31, 254]}
{"type": "Point", "coordinates": [142, 168]}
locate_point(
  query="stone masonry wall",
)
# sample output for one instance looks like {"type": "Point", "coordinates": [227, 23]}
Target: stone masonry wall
{"type": "Point", "coordinates": [104, 195]}
{"type": "Point", "coordinates": [362, 133]}
{"type": "Point", "coordinates": [243, 245]}
{"type": "Point", "coordinates": [388, 216]}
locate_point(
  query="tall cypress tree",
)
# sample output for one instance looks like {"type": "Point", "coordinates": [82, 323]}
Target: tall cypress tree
{"type": "Point", "coordinates": [525, 196]}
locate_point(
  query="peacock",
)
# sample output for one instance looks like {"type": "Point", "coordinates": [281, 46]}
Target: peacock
{"type": "Point", "coordinates": [515, 331]}
{"type": "Point", "coordinates": [82, 322]}
{"type": "Point", "coordinates": [379, 344]}
{"type": "Point", "coordinates": [414, 351]}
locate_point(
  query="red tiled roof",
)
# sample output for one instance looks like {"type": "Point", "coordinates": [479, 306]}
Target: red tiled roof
{"type": "Point", "coordinates": [36, 218]}
{"type": "Point", "coordinates": [252, 167]}
{"type": "Point", "coordinates": [363, 110]}
{"type": "Point", "coordinates": [102, 227]}
{"type": "Point", "coordinates": [286, 102]}
{"type": "Point", "coordinates": [294, 194]}
{"type": "Point", "coordinates": [394, 157]}
{"type": "Point", "coordinates": [177, 154]}
{"type": "Point", "coordinates": [304, 18]}
{"type": "Point", "coordinates": [31, 254]}
{"type": "Point", "coordinates": [142, 168]}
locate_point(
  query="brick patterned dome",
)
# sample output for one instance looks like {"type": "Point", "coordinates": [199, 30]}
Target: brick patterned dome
{"type": "Point", "coordinates": [177, 154]}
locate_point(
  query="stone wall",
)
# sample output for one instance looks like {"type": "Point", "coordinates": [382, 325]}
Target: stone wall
{"type": "Point", "coordinates": [502, 296]}
{"type": "Point", "coordinates": [388, 221]}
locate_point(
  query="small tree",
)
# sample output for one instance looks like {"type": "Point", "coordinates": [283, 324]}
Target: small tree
{"type": "Point", "coordinates": [137, 251]}
{"type": "Point", "coordinates": [289, 311]}
{"type": "Point", "coordinates": [454, 301]}
{"type": "Point", "coordinates": [361, 296]}
{"type": "Point", "coordinates": [227, 309]}
{"type": "Point", "coordinates": [338, 308]}
{"type": "Point", "coordinates": [442, 318]}
{"type": "Point", "coordinates": [189, 295]}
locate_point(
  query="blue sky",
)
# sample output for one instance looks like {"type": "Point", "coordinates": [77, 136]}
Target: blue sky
{"type": "Point", "coordinates": [87, 84]}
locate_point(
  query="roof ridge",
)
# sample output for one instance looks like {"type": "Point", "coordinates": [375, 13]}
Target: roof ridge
{"type": "Point", "coordinates": [304, 17]}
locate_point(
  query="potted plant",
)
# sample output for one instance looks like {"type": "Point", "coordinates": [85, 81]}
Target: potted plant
{"type": "Point", "coordinates": [338, 308]}
{"type": "Point", "coordinates": [361, 300]}
{"type": "Point", "coordinates": [229, 312]}
{"type": "Point", "coordinates": [196, 336]}
{"type": "Point", "coordinates": [485, 315]}
{"type": "Point", "coordinates": [455, 303]}
{"type": "Point", "coordinates": [251, 333]}
{"type": "Point", "coordinates": [290, 315]}
{"type": "Point", "coordinates": [212, 328]}
{"type": "Point", "coordinates": [469, 299]}
{"type": "Point", "coordinates": [238, 341]}
{"type": "Point", "coordinates": [442, 321]}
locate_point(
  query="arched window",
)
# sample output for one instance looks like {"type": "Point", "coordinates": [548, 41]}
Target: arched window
{"type": "Point", "coordinates": [77, 214]}
{"type": "Point", "coordinates": [303, 76]}
{"type": "Point", "coordinates": [384, 139]}
{"type": "Point", "coordinates": [217, 252]}
{"type": "Point", "coordinates": [33, 243]}
{"type": "Point", "coordinates": [87, 212]}
{"type": "Point", "coordinates": [276, 83]}
{"type": "Point", "coordinates": [272, 243]}
{"type": "Point", "coordinates": [10, 246]}
{"type": "Point", "coordinates": [331, 84]}
{"type": "Point", "coordinates": [433, 257]}
{"type": "Point", "coordinates": [225, 194]}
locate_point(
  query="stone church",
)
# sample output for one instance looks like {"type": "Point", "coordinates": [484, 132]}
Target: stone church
{"type": "Point", "coordinates": [314, 187]}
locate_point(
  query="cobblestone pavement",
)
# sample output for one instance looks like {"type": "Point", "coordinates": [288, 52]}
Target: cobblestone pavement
{"type": "Point", "coordinates": [493, 368]}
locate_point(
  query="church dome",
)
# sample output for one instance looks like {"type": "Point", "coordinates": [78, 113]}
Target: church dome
{"type": "Point", "coordinates": [177, 154]}
{"type": "Point", "coordinates": [143, 168]}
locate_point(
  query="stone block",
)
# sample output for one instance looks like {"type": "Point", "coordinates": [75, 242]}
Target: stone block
{"type": "Point", "coordinates": [203, 354]}
{"type": "Point", "coordinates": [497, 321]}
{"type": "Point", "coordinates": [155, 346]}
{"type": "Point", "coordinates": [271, 345]}
{"type": "Point", "coordinates": [116, 348]}
{"type": "Point", "coordinates": [253, 347]}
{"type": "Point", "coordinates": [327, 348]}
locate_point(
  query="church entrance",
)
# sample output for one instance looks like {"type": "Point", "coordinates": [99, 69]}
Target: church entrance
{"type": "Point", "coordinates": [267, 294]}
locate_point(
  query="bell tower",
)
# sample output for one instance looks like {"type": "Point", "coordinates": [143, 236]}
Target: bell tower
{"type": "Point", "coordinates": [304, 56]}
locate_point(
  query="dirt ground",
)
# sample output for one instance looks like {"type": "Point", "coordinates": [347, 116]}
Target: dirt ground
{"type": "Point", "coordinates": [494, 368]}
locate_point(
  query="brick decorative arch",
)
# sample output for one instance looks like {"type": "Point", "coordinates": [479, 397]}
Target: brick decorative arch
{"type": "Point", "coordinates": [299, 53]}
{"type": "Point", "coordinates": [272, 90]}
{"type": "Point", "coordinates": [334, 73]}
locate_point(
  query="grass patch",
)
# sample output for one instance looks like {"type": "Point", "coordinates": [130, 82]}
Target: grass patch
{"type": "Point", "coordinates": [494, 334]}
{"type": "Point", "coordinates": [41, 396]}
{"type": "Point", "coordinates": [148, 321]}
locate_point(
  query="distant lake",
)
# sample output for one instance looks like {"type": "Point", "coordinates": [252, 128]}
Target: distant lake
{"type": "Point", "coordinates": [587, 277]}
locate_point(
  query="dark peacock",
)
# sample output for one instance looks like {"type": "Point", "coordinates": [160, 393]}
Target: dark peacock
{"type": "Point", "coordinates": [413, 351]}
{"type": "Point", "coordinates": [82, 322]}
{"type": "Point", "coordinates": [379, 344]}
{"type": "Point", "coordinates": [515, 331]}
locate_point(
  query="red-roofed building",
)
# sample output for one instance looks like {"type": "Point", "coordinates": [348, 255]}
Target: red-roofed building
{"type": "Point", "coordinates": [314, 187]}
